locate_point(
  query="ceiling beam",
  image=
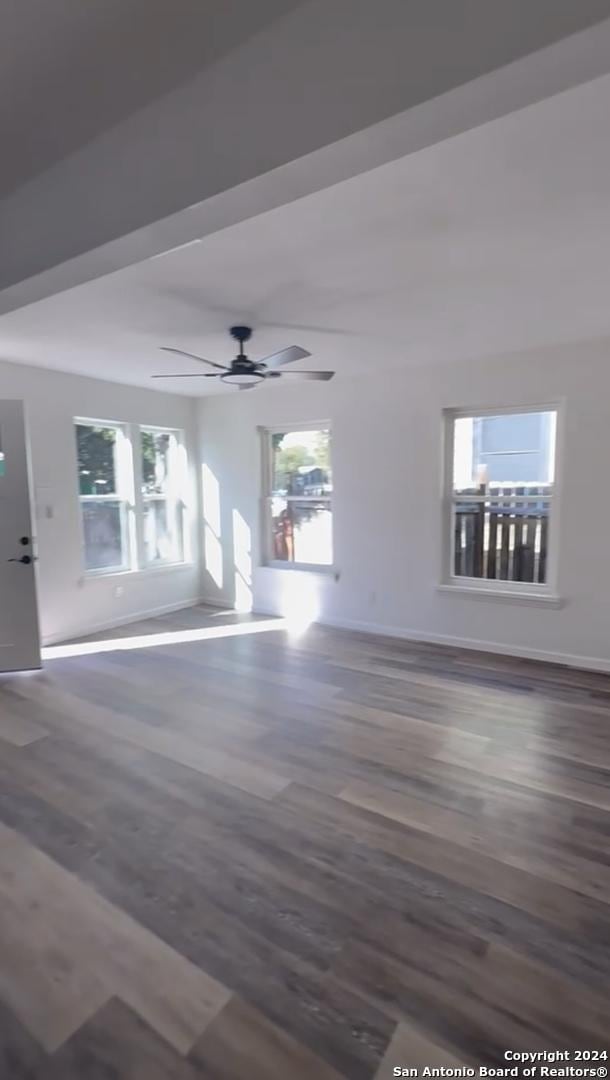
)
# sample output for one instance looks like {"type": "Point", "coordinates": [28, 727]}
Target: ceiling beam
{"type": "Point", "coordinates": [333, 89]}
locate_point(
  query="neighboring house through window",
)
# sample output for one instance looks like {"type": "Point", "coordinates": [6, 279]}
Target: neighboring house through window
{"type": "Point", "coordinates": [499, 497]}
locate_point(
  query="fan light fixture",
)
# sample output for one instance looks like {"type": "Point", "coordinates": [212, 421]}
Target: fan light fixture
{"type": "Point", "coordinates": [242, 378]}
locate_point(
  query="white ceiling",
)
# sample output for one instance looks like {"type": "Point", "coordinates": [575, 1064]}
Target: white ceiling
{"type": "Point", "coordinates": [493, 241]}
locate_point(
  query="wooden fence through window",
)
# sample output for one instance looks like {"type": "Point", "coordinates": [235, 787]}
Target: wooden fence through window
{"type": "Point", "coordinates": [502, 535]}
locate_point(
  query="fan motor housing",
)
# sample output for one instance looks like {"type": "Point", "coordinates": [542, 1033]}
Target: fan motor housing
{"type": "Point", "coordinates": [243, 371]}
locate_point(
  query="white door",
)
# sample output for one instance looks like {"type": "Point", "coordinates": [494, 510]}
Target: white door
{"type": "Point", "coordinates": [19, 636]}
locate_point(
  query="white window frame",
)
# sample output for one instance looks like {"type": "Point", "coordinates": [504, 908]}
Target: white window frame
{"type": "Point", "coordinates": [489, 587]}
{"type": "Point", "coordinates": [266, 517]}
{"type": "Point", "coordinates": [175, 497]}
{"type": "Point", "coordinates": [124, 494]}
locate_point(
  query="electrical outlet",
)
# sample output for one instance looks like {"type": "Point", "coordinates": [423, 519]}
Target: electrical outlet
{"type": "Point", "coordinates": [118, 591]}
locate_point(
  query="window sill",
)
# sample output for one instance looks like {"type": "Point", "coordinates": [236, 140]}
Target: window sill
{"type": "Point", "coordinates": [302, 568]}
{"type": "Point", "coordinates": [540, 599]}
{"type": "Point", "coordinates": [145, 571]}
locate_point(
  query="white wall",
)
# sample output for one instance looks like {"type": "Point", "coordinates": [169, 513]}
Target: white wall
{"type": "Point", "coordinates": [387, 517]}
{"type": "Point", "coordinates": [69, 602]}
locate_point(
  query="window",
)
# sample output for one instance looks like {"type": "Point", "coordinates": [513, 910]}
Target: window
{"type": "Point", "coordinates": [298, 497]}
{"type": "Point", "coordinates": [499, 498]}
{"type": "Point", "coordinates": [104, 489]}
{"type": "Point", "coordinates": [162, 507]}
{"type": "Point", "coordinates": [129, 523]}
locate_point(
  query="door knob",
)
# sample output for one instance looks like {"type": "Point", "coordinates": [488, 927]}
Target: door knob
{"type": "Point", "coordinates": [24, 559]}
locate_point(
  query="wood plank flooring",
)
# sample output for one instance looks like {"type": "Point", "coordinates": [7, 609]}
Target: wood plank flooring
{"type": "Point", "coordinates": [227, 851]}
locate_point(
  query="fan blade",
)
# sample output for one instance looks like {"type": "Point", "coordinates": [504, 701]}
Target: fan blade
{"type": "Point", "coordinates": [321, 376]}
{"type": "Point", "coordinates": [285, 356]}
{"type": "Point", "coordinates": [188, 375]}
{"type": "Point", "coordinates": [201, 359]}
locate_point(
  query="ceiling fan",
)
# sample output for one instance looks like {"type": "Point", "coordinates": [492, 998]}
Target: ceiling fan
{"type": "Point", "coordinates": [245, 373]}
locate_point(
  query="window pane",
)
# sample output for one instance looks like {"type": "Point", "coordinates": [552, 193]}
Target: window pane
{"type": "Point", "coordinates": [155, 462]}
{"type": "Point", "coordinates": [301, 463]}
{"type": "Point", "coordinates": [161, 535]}
{"type": "Point", "coordinates": [500, 541]}
{"type": "Point", "coordinates": [96, 448]}
{"type": "Point", "coordinates": [510, 451]}
{"type": "Point", "coordinates": [302, 532]}
{"type": "Point", "coordinates": [104, 530]}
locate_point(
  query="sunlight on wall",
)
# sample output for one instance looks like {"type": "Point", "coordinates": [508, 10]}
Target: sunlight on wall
{"type": "Point", "coordinates": [211, 499]}
{"type": "Point", "coordinates": [300, 601]}
{"type": "Point", "coordinates": [212, 546]}
{"type": "Point", "coordinates": [242, 547]}
{"type": "Point", "coordinates": [243, 594]}
{"type": "Point", "coordinates": [242, 556]}
{"type": "Point", "coordinates": [213, 555]}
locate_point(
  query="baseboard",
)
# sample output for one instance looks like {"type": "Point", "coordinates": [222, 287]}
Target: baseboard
{"type": "Point", "coordinates": [111, 624]}
{"type": "Point", "coordinates": [592, 663]}
{"type": "Point", "coordinates": [216, 603]}
{"type": "Point", "coordinates": [587, 663]}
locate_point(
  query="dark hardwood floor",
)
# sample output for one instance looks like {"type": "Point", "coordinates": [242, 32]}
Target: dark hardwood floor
{"type": "Point", "coordinates": [229, 852]}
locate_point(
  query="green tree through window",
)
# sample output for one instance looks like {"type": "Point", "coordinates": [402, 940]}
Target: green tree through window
{"type": "Point", "coordinates": [96, 460]}
{"type": "Point", "coordinates": [291, 458]}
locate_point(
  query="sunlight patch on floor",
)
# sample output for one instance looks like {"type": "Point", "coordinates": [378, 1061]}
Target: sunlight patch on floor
{"type": "Point", "coordinates": [171, 637]}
